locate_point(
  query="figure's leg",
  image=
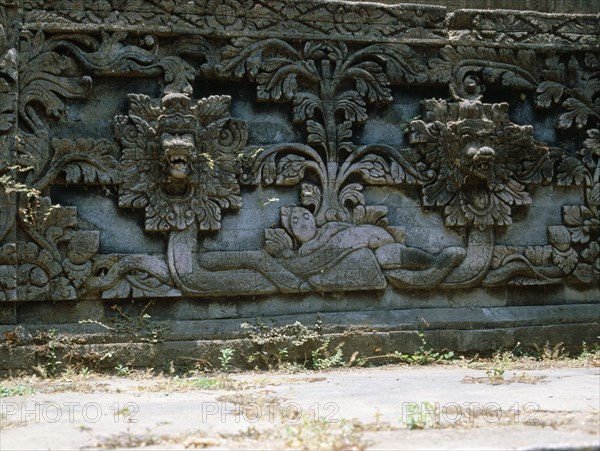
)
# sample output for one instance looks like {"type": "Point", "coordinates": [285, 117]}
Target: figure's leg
{"type": "Point", "coordinates": [410, 267]}
{"type": "Point", "coordinates": [395, 255]}
{"type": "Point", "coordinates": [259, 261]}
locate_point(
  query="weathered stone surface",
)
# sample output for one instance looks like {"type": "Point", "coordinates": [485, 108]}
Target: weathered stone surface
{"type": "Point", "coordinates": [270, 158]}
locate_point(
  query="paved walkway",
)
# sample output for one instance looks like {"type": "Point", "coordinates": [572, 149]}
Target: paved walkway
{"type": "Point", "coordinates": [389, 407]}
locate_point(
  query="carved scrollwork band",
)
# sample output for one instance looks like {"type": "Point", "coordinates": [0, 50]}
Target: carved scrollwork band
{"type": "Point", "coordinates": [186, 160]}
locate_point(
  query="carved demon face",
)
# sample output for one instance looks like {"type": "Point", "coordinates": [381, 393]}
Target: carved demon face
{"type": "Point", "coordinates": [475, 153]}
{"type": "Point", "coordinates": [178, 152]}
{"type": "Point", "coordinates": [180, 160]}
{"type": "Point", "coordinates": [475, 159]}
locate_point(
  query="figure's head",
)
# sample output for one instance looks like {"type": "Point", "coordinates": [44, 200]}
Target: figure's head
{"type": "Point", "coordinates": [302, 224]}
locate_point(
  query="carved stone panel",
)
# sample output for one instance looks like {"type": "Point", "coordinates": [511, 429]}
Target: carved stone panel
{"type": "Point", "coordinates": [377, 124]}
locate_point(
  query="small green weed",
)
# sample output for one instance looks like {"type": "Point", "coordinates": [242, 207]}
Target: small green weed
{"type": "Point", "coordinates": [18, 390]}
{"type": "Point", "coordinates": [122, 370]}
{"type": "Point", "coordinates": [48, 350]}
{"type": "Point", "coordinates": [85, 371]}
{"type": "Point", "coordinates": [322, 358]}
{"type": "Point", "coordinates": [424, 355]}
{"type": "Point", "coordinates": [205, 383]}
{"type": "Point", "coordinates": [589, 354]}
{"type": "Point", "coordinates": [225, 358]}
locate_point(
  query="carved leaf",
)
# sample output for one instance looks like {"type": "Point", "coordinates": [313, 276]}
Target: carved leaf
{"type": "Point", "coordinates": [591, 147]}
{"type": "Point", "coordinates": [402, 63]}
{"type": "Point", "coordinates": [33, 151]}
{"type": "Point", "coordinates": [278, 79]}
{"type": "Point", "coordinates": [559, 237]}
{"type": "Point", "coordinates": [316, 133]}
{"type": "Point", "coordinates": [179, 75]}
{"type": "Point", "coordinates": [540, 170]}
{"type": "Point", "coordinates": [8, 63]}
{"type": "Point", "coordinates": [577, 113]}
{"type": "Point", "coordinates": [208, 214]}
{"type": "Point", "coordinates": [244, 55]}
{"type": "Point", "coordinates": [134, 133]}
{"type": "Point", "coordinates": [85, 161]}
{"type": "Point", "coordinates": [143, 106]}
{"type": "Point", "coordinates": [8, 283]}
{"type": "Point", "coordinates": [484, 209]}
{"type": "Point", "coordinates": [351, 195]}
{"type": "Point", "coordinates": [268, 170]}
{"type": "Point", "coordinates": [374, 170]}
{"type": "Point", "coordinates": [565, 260]}
{"type": "Point", "coordinates": [211, 109]}
{"type": "Point", "coordinates": [351, 104]}
{"type": "Point", "coordinates": [590, 254]}
{"type": "Point", "coordinates": [581, 219]}
{"type": "Point", "coordinates": [507, 78]}
{"type": "Point", "coordinates": [54, 222]}
{"type": "Point", "coordinates": [139, 284]}
{"type": "Point", "coordinates": [43, 79]}
{"type": "Point", "coordinates": [371, 214]}
{"type": "Point", "coordinates": [571, 171]}
{"type": "Point", "coordinates": [162, 216]}
{"type": "Point", "coordinates": [513, 193]}
{"type": "Point", "coordinates": [310, 196]}
{"type": "Point", "coordinates": [305, 105]}
{"type": "Point", "coordinates": [290, 170]}
{"type": "Point", "coordinates": [584, 273]}
{"type": "Point", "coordinates": [7, 106]}
{"type": "Point", "coordinates": [196, 47]}
{"type": "Point", "coordinates": [277, 242]}
{"type": "Point", "coordinates": [504, 66]}
{"type": "Point", "coordinates": [501, 253]}
{"type": "Point", "coordinates": [371, 82]}
{"type": "Point", "coordinates": [344, 132]}
{"type": "Point", "coordinates": [548, 92]}
{"type": "Point", "coordinates": [422, 133]}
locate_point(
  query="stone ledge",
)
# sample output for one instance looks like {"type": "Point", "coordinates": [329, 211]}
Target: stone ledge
{"type": "Point", "coordinates": [160, 355]}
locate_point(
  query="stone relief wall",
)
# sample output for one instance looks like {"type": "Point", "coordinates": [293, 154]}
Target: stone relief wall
{"type": "Point", "coordinates": [176, 149]}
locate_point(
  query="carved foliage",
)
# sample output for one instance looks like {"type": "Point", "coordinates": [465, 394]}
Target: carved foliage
{"type": "Point", "coordinates": [180, 160]}
{"type": "Point", "coordinates": [581, 230]}
{"type": "Point", "coordinates": [329, 87]}
{"type": "Point", "coordinates": [468, 69]}
{"type": "Point", "coordinates": [8, 83]}
{"type": "Point", "coordinates": [46, 78]}
{"type": "Point", "coordinates": [55, 263]}
{"type": "Point", "coordinates": [575, 85]}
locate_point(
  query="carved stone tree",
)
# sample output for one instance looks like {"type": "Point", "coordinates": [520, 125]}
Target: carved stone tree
{"type": "Point", "coordinates": [330, 88]}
